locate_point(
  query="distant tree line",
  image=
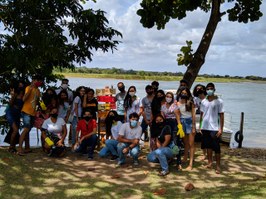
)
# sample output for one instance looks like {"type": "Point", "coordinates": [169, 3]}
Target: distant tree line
{"type": "Point", "coordinates": [148, 73]}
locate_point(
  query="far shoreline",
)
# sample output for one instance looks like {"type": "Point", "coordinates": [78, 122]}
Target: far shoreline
{"type": "Point", "coordinates": [158, 78]}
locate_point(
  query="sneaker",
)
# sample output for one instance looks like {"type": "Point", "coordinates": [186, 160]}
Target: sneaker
{"type": "Point", "coordinates": [90, 158]}
{"type": "Point", "coordinates": [163, 173]}
{"type": "Point", "coordinates": [114, 157]}
{"type": "Point", "coordinates": [136, 163]}
{"type": "Point", "coordinates": [120, 163]}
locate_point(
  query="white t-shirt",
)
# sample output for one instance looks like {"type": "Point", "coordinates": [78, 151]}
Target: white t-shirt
{"type": "Point", "coordinates": [211, 110]}
{"type": "Point", "coordinates": [55, 128]}
{"type": "Point", "coordinates": [183, 111]}
{"type": "Point", "coordinates": [115, 129]}
{"type": "Point", "coordinates": [130, 133]}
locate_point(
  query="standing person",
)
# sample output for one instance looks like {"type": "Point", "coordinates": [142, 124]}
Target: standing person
{"type": "Point", "coordinates": [87, 129]}
{"type": "Point", "coordinates": [54, 134]}
{"type": "Point", "coordinates": [13, 112]}
{"type": "Point", "coordinates": [128, 138]}
{"type": "Point", "coordinates": [147, 113]}
{"type": "Point", "coordinates": [31, 99]}
{"type": "Point", "coordinates": [199, 93]}
{"type": "Point", "coordinates": [156, 104]}
{"type": "Point", "coordinates": [183, 83]}
{"type": "Point", "coordinates": [65, 86]}
{"type": "Point", "coordinates": [155, 86]}
{"type": "Point", "coordinates": [132, 103]}
{"type": "Point", "coordinates": [90, 102]}
{"type": "Point", "coordinates": [113, 124]}
{"type": "Point", "coordinates": [119, 98]}
{"type": "Point", "coordinates": [186, 113]}
{"type": "Point", "coordinates": [77, 110]}
{"type": "Point", "coordinates": [64, 107]}
{"type": "Point", "coordinates": [163, 152]}
{"type": "Point", "coordinates": [211, 125]}
{"type": "Point", "coordinates": [170, 112]}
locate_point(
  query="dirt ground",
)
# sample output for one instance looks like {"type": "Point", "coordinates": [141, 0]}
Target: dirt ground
{"type": "Point", "coordinates": [238, 165]}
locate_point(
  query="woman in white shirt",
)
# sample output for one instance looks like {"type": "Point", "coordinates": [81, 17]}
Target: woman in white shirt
{"type": "Point", "coordinates": [186, 111]}
{"type": "Point", "coordinates": [54, 134]}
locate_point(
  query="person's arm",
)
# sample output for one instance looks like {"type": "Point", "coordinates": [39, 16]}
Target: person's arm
{"type": "Point", "coordinates": [200, 122]}
{"type": "Point", "coordinates": [27, 92]}
{"type": "Point", "coordinates": [62, 140]}
{"type": "Point", "coordinates": [220, 131]}
{"type": "Point", "coordinates": [193, 113]}
{"type": "Point", "coordinates": [84, 103]}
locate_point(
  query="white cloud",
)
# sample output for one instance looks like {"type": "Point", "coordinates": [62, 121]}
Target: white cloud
{"type": "Point", "coordinates": [236, 49]}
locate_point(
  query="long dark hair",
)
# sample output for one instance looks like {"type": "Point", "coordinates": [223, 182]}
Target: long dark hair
{"type": "Point", "coordinates": [109, 122]}
{"type": "Point", "coordinates": [128, 99]}
{"type": "Point", "coordinates": [61, 101]}
{"type": "Point", "coordinates": [189, 101]}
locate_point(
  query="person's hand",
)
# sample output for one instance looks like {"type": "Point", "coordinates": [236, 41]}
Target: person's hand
{"type": "Point", "coordinates": [180, 131]}
{"type": "Point", "coordinates": [126, 150]}
{"type": "Point", "coordinates": [200, 131]}
{"type": "Point", "coordinates": [219, 133]}
{"type": "Point", "coordinates": [60, 143]}
{"type": "Point", "coordinates": [193, 130]}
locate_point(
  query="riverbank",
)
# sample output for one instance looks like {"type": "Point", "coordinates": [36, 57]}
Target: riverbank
{"type": "Point", "coordinates": [158, 78]}
{"type": "Point", "coordinates": [36, 175]}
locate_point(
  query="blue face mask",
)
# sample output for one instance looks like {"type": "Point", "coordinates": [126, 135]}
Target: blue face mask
{"type": "Point", "coordinates": [210, 92]}
{"type": "Point", "coordinates": [133, 123]}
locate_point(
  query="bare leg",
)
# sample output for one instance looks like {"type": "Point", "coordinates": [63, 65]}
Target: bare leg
{"type": "Point", "coordinates": [218, 162]}
{"type": "Point", "coordinates": [209, 155]}
{"type": "Point", "coordinates": [27, 141]}
{"type": "Point", "coordinates": [186, 143]}
{"type": "Point", "coordinates": [24, 133]}
{"type": "Point", "coordinates": [13, 136]}
{"type": "Point", "coordinates": [191, 150]}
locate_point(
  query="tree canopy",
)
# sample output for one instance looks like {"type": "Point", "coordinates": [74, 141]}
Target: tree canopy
{"type": "Point", "coordinates": [40, 35]}
{"type": "Point", "coordinates": [159, 12]}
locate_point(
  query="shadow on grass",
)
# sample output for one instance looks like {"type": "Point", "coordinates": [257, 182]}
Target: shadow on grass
{"type": "Point", "coordinates": [38, 176]}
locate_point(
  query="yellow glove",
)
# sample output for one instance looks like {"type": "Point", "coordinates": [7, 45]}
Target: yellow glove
{"type": "Point", "coordinates": [180, 131]}
{"type": "Point", "coordinates": [43, 107]}
{"type": "Point", "coordinates": [49, 142]}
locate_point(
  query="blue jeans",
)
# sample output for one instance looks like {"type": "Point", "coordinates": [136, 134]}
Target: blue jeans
{"type": "Point", "coordinates": [187, 125]}
{"type": "Point", "coordinates": [88, 146]}
{"type": "Point", "coordinates": [74, 129]}
{"type": "Point", "coordinates": [133, 152]}
{"type": "Point", "coordinates": [110, 147]}
{"type": "Point", "coordinates": [161, 155]}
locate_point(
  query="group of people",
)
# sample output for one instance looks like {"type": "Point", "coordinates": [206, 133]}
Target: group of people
{"type": "Point", "coordinates": [171, 119]}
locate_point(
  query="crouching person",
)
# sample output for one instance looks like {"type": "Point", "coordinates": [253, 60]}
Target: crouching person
{"type": "Point", "coordinates": [53, 134]}
{"type": "Point", "coordinates": [166, 149]}
{"type": "Point", "coordinates": [86, 137]}
{"type": "Point", "coordinates": [128, 138]}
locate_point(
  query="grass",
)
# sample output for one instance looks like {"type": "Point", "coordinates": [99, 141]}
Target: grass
{"type": "Point", "coordinates": [159, 78]}
{"type": "Point", "coordinates": [38, 176]}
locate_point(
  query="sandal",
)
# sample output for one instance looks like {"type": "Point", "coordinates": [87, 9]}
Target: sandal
{"type": "Point", "coordinates": [20, 153]}
{"type": "Point", "coordinates": [12, 150]}
{"type": "Point", "coordinates": [163, 173]}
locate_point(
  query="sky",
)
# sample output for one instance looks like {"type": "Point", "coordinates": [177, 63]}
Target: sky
{"type": "Point", "coordinates": [236, 49]}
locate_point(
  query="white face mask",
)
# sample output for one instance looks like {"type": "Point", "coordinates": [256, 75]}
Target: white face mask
{"type": "Point", "coordinates": [64, 86]}
{"type": "Point", "coordinates": [168, 99]}
{"type": "Point", "coordinates": [131, 94]}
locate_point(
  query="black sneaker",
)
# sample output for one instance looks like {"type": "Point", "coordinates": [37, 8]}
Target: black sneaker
{"type": "Point", "coordinates": [114, 157]}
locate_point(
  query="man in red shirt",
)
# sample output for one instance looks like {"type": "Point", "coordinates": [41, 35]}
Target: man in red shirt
{"type": "Point", "coordinates": [86, 134]}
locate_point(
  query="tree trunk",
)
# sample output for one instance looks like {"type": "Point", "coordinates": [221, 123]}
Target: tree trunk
{"type": "Point", "coordinates": [200, 54]}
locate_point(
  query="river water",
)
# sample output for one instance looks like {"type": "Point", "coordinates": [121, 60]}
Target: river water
{"type": "Point", "coordinates": [238, 97]}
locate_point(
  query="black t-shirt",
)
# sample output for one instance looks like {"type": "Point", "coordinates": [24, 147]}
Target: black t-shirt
{"type": "Point", "coordinates": [165, 131]}
{"type": "Point", "coordinates": [93, 106]}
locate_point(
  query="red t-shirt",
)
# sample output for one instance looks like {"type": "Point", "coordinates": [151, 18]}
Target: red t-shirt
{"type": "Point", "coordinates": [86, 128]}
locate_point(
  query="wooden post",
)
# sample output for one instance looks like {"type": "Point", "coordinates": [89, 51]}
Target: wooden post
{"type": "Point", "coordinates": [241, 137]}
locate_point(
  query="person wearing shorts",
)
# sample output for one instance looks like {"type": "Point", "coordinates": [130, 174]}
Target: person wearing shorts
{"type": "Point", "coordinates": [186, 111]}
{"type": "Point", "coordinates": [211, 125]}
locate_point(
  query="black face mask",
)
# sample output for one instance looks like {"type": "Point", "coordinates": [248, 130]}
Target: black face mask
{"type": "Point", "coordinates": [121, 89]}
{"type": "Point", "coordinates": [183, 96]}
{"type": "Point", "coordinates": [160, 98]}
{"type": "Point", "coordinates": [87, 118]}
{"type": "Point", "coordinates": [160, 124]}
{"type": "Point", "coordinates": [150, 92]}
{"type": "Point", "coordinates": [54, 115]}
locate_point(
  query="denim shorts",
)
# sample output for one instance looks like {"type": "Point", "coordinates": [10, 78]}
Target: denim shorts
{"type": "Point", "coordinates": [28, 120]}
{"type": "Point", "coordinates": [187, 125]}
